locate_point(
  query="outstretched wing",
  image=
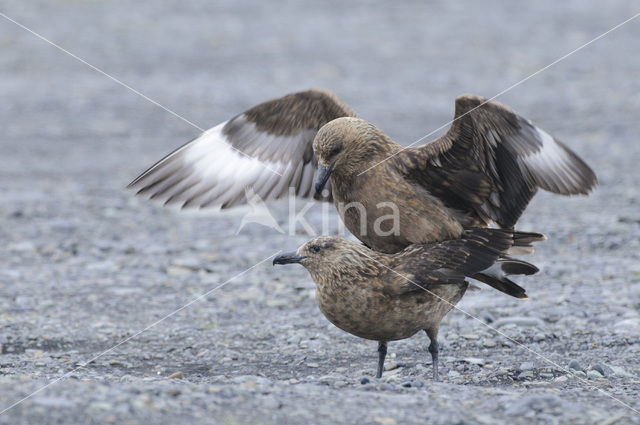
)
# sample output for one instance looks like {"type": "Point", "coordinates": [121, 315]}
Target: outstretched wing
{"type": "Point", "coordinates": [491, 162]}
{"type": "Point", "coordinates": [268, 148]}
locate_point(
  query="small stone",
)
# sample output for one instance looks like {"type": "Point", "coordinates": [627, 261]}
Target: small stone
{"type": "Point", "coordinates": [407, 384]}
{"type": "Point", "coordinates": [474, 360]}
{"type": "Point", "coordinates": [177, 271]}
{"type": "Point", "coordinates": [594, 374]}
{"type": "Point", "coordinates": [326, 379]}
{"type": "Point", "coordinates": [100, 405]}
{"type": "Point", "coordinates": [487, 317]}
{"type": "Point", "coordinates": [538, 337]}
{"type": "Point", "coordinates": [546, 375]}
{"type": "Point", "coordinates": [618, 371]}
{"type": "Point", "coordinates": [503, 371]}
{"type": "Point", "coordinates": [365, 380]}
{"type": "Point", "coordinates": [575, 365]}
{"type": "Point", "coordinates": [453, 374]}
{"type": "Point", "coordinates": [391, 366]}
{"type": "Point", "coordinates": [385, 421]}
{"type": "Point", "coordinates": [603, 369]}
{"type": "Point", "coordinates": [470, 336]}
{"type": "Point", "coordinates": [452, 336]}
{"type": "Point", "coordinates": [276, 302]}
{"type": "Point", "coordinates": [489, 343]}
{"type": "Point", "coordinates": [519, 321]}
{"type": "Point", "coordinates": [527, 366]}
{"type": "Point", "coordinates": [313, 365]}
{"type": "Point", "coordinates": [527, 374]}
{"type": "Point", "coordinates": [561, 379]}
{"type": "Point", "coordinates": [126, 378]}
{"type": "Point", "coordinates": [176, 375]}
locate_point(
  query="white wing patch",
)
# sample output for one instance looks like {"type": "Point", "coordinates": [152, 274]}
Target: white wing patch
{"type": "Point", "coordinates": [554, 167]}
{"type": "Point", "coordinates": [209, 172]}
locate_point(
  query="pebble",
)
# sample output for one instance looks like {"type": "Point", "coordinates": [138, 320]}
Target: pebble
{"type": "Point", "coordinates": [487, 317]}
{"type": "Point", "coordinates": [325, 379]}
{"type": "Point", "coordinates": [603, 369]}
{"type": "Point", "coordinates": [618, 371]}
{"type": "Point", "coordinates": [176, 375]}
{"type": "Point", "coordinates": [594, 374]}
{"type": "Point", "coordinates": [474, 360]}
{"type": "Point", "coordinates": [391, 366]}
{"type": "Point", "coordinates": [519, 321]}
{"type": "Point", "coordinates": [527, 366]}
{"type": "Point", "coordinates": [527, 374]}
{"type": "Point", "coordinates": [538, 337]}
{"type": "Point", "coordinates": [489, 343]}
{"type": "Point", "coordinates": [579, 373]}
{"type": "Point", "coordinates": [470, 336]}
{"type": "Point", "coordinates": [453, 374]}
{"type": "Point", "coordinates": [365, 381]}
{"type": "Point", "coordinates": [503, 371]}
{"type": "Point", "coordinates": [575, 365]}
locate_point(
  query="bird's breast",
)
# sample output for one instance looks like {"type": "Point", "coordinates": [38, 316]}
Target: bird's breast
{"type": "Point", "coordinates": [364, 310]}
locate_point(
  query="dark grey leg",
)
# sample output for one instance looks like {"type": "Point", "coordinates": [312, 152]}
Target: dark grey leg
{"type": "Point", "coordinates": [433, 349]}
{"type": "Point", "coordinates": [382, 353]}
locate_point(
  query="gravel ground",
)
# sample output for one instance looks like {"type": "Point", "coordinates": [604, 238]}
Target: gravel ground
{"type": "Point", "coordinates": [84, 265]}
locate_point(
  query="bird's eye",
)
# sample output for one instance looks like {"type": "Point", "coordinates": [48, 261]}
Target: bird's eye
{"type": "Point", "coordinates": [314, 248]}
{"type": "Point", "coordinates": [335, 151]}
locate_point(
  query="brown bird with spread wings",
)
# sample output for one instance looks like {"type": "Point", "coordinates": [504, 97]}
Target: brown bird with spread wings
{"type": "Point", "coordinates": [484, 170]}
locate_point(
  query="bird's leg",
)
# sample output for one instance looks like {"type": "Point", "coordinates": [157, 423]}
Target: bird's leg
{"type": "Point", "coordinates": [382, 353]}
{"type": "Point", "coordinates": [433, 349]}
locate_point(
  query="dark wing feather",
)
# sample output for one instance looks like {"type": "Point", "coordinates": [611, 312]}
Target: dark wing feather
{"type": "Point", "coordinates": [491, 162]}
{"type": "Point", "coordinates": [264, 151]}
{"type": "Point", "coordinates": [479, 253]}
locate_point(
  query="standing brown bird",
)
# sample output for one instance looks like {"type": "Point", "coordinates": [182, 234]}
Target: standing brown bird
{"type": "Point", "coordinates": [388, 297]}
{"type": "Point", "coordinates": [485, 169]}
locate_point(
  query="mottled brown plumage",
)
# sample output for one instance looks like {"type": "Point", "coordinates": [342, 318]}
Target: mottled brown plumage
{"type": "Point", "coordinates": [485, 169]}
{"type": "Point", "coordinates": [388, 297]}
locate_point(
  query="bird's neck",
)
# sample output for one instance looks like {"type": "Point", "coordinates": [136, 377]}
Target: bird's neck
{"type": "Point", "coordinates": [360, 264]}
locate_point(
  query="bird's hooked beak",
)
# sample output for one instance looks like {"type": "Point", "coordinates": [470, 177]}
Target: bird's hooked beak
{"type": "Point", "coordinates": [323, 176]}
{"type": "Point", "coordinates": [288, 258]}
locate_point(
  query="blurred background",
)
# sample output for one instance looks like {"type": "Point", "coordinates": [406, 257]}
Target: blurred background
{"type": "Point", "coordinates": [84, 264]}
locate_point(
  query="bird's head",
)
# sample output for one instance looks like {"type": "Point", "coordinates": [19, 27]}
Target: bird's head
{"type": "Point", "coordinates": [347, 146]}
{"type": "Point", "coordinates": [330, 257]}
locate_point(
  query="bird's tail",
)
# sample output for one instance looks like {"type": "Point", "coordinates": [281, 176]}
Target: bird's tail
{"type": "Point", "coordinates": [522, 242]}
{"type": "Point", "coordinates": [497, 274]}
